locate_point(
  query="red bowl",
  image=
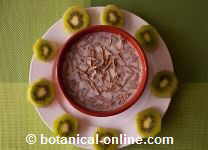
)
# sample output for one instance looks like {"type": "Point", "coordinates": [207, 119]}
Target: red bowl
{"type": "Point", "coordinates": [143, 73]}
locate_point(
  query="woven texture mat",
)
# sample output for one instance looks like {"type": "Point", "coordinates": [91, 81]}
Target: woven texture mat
{"type": "Point", "coordinates": [182, 24]}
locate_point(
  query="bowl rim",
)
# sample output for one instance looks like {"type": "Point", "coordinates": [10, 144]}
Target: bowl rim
{"type": "Point", "coordinates": [143, 72]}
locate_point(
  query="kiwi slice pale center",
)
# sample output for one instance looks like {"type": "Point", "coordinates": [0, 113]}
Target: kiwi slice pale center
{"type": "Point", "coordinates": [164, 83]}
{"type": "Point", "coordinates": [41, 92]}
{"type": "Point", "coordinates": [65, 128]}
{"type": "Point", "coordinates": [148, 123]}
{"type": "Point", "coordinates": [113, 17]}
{"type": "Point", "coordinates": [101, 139]}
{"type": "Point", "coordinates": [76, 20]}
{"type": "Point", "coordinates": [147, 37]}
{"type": "Point", "coordinates": [46, 50]}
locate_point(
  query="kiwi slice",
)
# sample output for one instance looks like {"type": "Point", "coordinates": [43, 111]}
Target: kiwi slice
{"type": "Point", "coordinates": [76, 18]}
{"type": "Point", "coordinates": [148, 122]}
{"type": "Point", "coordinates": [43, 50]}
{"type": "Point", "coordinates": [102, 134]}
{"type": "Point", "coordinates": [147, 36]}
{"type": "Point", "coordinates": [65, 126]}
{"type": "Point", "coordinates": [41, 93]}
{"type": "Point", "coordinates": [164, 84]}
{"type": "Point", "coordinates": [112, 15]}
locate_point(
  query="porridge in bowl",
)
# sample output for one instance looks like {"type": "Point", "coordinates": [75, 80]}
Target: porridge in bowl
{"type": "Point", "coordinates": [101, 71]}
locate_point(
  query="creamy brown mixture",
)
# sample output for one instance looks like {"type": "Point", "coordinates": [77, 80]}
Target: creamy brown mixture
{"type": "Point", "coordinates": [101, 71]}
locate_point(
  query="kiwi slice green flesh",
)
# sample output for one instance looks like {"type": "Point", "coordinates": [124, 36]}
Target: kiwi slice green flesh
{"type": "Point", "coordinates": [43, 50]}
{"type": "Point", "coordinates": [112, 15]}
{"type": "Point", "coordinates": [41, 93]}
{"type": "Point", "coordinates": [148, 122]}
{"type": "Point", "coordinates": [102, 133]}
{"type": "Point", "coordinates": [147, 36]}
{"type": "Point", "coordinates": [76, 18]}
{"type": "Point", "coordinates": [164, 84]}
{"type": "Point", "coordinates": [65, 126]}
